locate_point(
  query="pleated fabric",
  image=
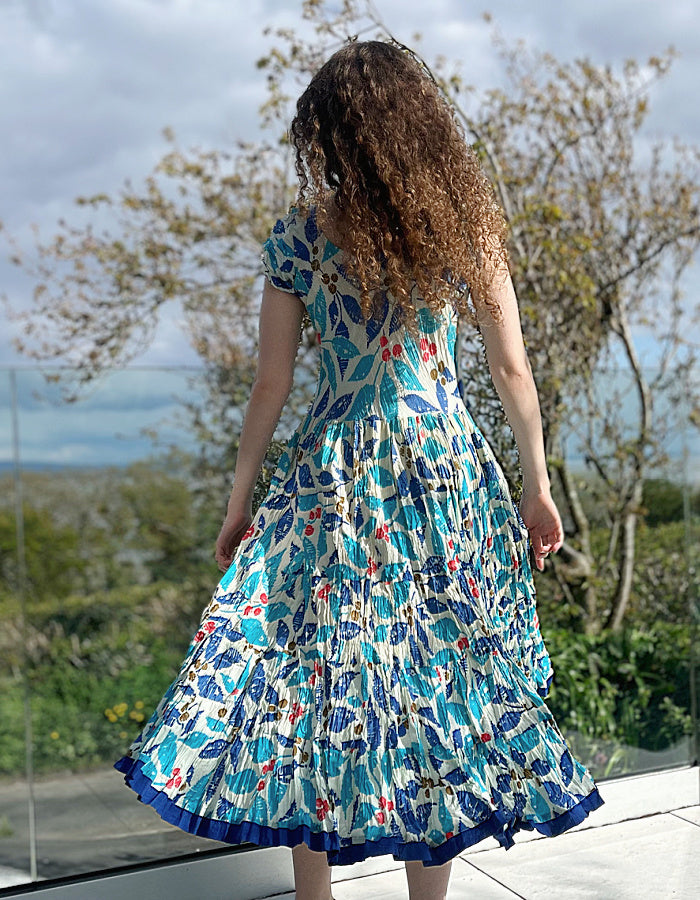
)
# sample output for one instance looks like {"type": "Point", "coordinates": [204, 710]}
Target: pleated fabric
{"type": "Point", "coordinates": [369, 675]}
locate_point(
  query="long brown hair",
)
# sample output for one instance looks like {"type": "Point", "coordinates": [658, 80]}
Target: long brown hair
{"type": "Point", "coordinates": [376, 139]}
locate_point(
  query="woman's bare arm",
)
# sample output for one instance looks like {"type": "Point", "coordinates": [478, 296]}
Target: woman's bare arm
{"type": "Point", "coordinates": [512, 377]}
{"type": "Point", "coordinates": [280, 322]}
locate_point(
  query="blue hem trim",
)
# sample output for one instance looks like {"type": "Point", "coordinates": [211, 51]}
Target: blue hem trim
{"type": "Point", "coordinates": [500, 825]}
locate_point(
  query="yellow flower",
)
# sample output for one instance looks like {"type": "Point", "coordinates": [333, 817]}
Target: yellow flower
{"type": "Point", "coordinates": [54, 735]}
{"type": "Point", "coordinates": [122, 735]}
{"type": "Point", "coordinates": [138, 704]}
{"type": "Point", "coordinates": [136, 716]}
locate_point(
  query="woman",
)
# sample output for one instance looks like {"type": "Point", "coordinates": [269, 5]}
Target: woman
{"type": "Point", "coordinates": [368, 676]}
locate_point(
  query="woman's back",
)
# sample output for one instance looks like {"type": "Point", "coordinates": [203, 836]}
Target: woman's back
{"type": "Point", "coordinates": [367, 365]}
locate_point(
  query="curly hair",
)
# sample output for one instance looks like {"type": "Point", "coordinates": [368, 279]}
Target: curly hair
{"type": "Point", "coordinates": [375, 138]}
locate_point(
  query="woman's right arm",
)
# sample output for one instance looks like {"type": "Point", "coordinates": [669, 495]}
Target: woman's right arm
{"type": "Point", "coordinates": [512, 377]}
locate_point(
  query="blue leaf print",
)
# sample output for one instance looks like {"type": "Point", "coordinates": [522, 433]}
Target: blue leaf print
{"type": "Point", "coordinates": [340, 718]}
{"type": "Point", "coordinates": [332, 313]}
{"type": "Point", "coordinates": [311, 229]}
{"type": "Point", "coordinates": [340, 406]}
{"type": "Point", "coordinates": [214, 749]}
{"type": "Point", "coordinates": [566, 765]}
{"type": "Point", "coordinates": [353, 308]}
{"type": "Point", "coordinates": [348, 630]}
{"type": "Point", "coordinates": [207, 687]}
{"type": "Point", "coordinates": [301, 250]}
{"type": "Point", "coordinates": [261, 749]}
{"type": "Point", "coordinates": [418, 404]}
{"type": "Point", "coordinates": [283, 525]}
{"type": "Point", "coordinates": [342, 685]}
{"type": "Point", "coordinates": [257, 685]}
{"type": "Point", "coordinates": [323, 402]}
{"type": "Point", "coordinates": [540, 767]}
{"type": "Point", "coordinates": [398, 632]}
{"type": "Point", "coordinates": [555, 793]}
{"type": "Point", "coordinates": [442, 397]}
{"type": "Point", "coordinates": [304, 475]}
{"type": "Point", "coordinates": [298, 619]}
{"type": "Point", "coordinates": [395, 322]}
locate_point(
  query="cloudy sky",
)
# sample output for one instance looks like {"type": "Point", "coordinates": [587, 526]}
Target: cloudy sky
{"type": "Point", "coordinates": [86, 87]}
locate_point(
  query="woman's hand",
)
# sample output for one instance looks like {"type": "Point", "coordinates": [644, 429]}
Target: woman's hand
{"type": "Point", "coordinates": [543, 522]}
{"type": "Point", "coordinates": [235, 526]}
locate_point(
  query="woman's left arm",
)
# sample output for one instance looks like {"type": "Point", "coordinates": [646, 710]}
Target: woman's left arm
{"type": "Point", "coordinates": [281, 314]}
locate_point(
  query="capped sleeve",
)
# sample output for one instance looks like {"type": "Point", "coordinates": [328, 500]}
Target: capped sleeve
{"type": "Point", "coordinates": [283, 256]}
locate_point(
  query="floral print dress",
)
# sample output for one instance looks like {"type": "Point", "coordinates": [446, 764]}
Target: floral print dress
{"type": "Point", "coordinates": [369, 674]}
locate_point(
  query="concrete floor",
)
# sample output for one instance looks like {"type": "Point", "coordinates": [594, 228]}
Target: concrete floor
{"type": "Point", "coordinates": [643, 843]}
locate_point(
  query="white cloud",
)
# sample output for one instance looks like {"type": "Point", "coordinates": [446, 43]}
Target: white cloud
{"type": "Point", "coordinates": [86, 88]}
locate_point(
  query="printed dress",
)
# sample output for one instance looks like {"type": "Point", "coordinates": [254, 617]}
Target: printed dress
{"type": "Point", "coordinates": [369, 674]}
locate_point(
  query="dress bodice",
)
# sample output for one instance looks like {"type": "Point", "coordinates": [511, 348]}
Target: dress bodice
{"type": "Point", "coordinates": [367, 366]}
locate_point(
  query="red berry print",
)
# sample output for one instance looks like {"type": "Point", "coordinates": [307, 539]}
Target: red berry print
{"type": "Point", "coordinates": [396, 349]}
{"type": "Point", "coordinates": [386, 354]}
{"type": "Point", "coordinates": [175, 780]}
{"type": "Point", "coordinates": [322, 807]}
{"type": "Point", "coordinates": [383, 341]}
{"type": "Point", "coordinates": [485, 737]}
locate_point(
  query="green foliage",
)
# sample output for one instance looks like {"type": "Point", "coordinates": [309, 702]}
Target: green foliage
{"type": "Point", "coordinates": [663, 501]}
{"type": "Point", "coordinates": [630, 688]}
{"type": "Point", "coordinates": [52, 551]}
{"type": "Point", "coordinates": [97, 667]}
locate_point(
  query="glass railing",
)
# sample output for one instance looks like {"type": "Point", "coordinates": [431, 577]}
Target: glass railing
{"type": "Point", "coordinates": [109, 510]}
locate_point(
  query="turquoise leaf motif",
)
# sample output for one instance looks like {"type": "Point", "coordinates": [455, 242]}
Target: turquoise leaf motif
{"type": "Point", "coordinates": [411, 351]}
{"type": "Point", "coordinates": [388, 396]}
{"type": "Point", "coordinates": [320, 309]}
{"type": "Point", "coordinates": [363, 401]}
{"type": "Point", "coordinates": [344, 348]}
{"type": "Point", "coordinates": [427, 321]}
{"type": "Point", "coordinates": [407, 376]}
{"type": "Point", "coordinates": [362, 369]}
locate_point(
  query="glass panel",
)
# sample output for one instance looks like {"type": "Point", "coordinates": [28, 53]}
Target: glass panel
{"type": "Point", "coordinates": [119, 531]}
{"type": "Point", "coordinates": [619, 631]}
{"type": "Point", "coordinates": [119, 568]}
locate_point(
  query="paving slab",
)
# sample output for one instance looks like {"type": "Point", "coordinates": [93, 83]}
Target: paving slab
{"type": "Point", "coordinates": [654, 858]}
{"type": "Point", "coordinates": [632, 797]}
{"type": "Point", "coordinates": [466, 883]}
{"type": "Point", "coordinates": [690, 814]}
